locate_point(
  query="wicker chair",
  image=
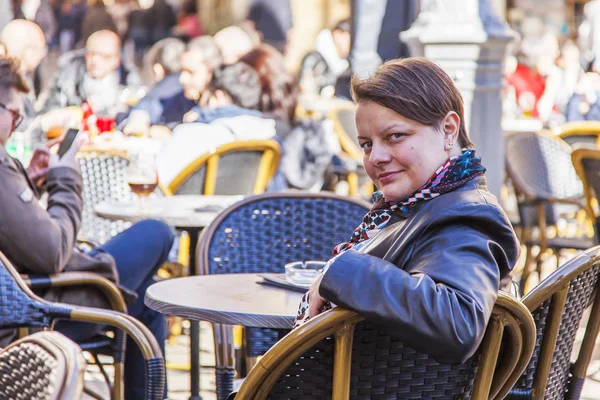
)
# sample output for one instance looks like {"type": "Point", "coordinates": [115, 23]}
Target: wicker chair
{"type": "Point", "coordinates": [104, 174]}
{"type": "Point", "coordinates": [42, 366]}
{"type": "Point", "coordinates": [241, 167]}
{"type": "Point", "coordinates": [338, 355]}
{"type": "Point", "coordinates": [22, 308]}
{"type": "Point", "coordinates": [262, 234]}
{"type": "Point", "coordinates": [345, 129]}
{"type": "Point", "coordinates": [557, 305]}
{"type": "Point", "coordinates": [546, 185]}
{"type": "Point", "coordinates": [579, 132]}
{"type": "Point", "coordinates": [586, 160]}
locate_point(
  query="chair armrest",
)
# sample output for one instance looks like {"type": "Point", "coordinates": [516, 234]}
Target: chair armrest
{"type": "Point", "coordinates": [145, 340]}
{"type": "Point", "coordinates": [70, 279]}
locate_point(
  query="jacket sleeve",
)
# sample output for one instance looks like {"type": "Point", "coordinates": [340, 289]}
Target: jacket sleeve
{"type": "Point", "coordinates": [35, 239]}
{"type": "Point", "coordinates": [441, 301]}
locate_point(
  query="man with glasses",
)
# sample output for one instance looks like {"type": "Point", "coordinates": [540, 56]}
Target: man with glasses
{"type": "Point", "coordinates": [41, 240]}
{"type": "Point", "coordinates": [95, 75]}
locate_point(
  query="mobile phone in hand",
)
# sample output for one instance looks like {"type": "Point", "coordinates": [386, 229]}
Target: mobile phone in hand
{"type": "Point", "coordinates": [67, 142]}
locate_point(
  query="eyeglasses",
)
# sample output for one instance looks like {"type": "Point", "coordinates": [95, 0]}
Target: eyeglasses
{"type": "Point", "coordinates": [17, 117]}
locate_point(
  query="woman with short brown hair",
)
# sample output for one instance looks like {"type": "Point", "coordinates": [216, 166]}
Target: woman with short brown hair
{"type": "Point", "coordinates": [435, 249]}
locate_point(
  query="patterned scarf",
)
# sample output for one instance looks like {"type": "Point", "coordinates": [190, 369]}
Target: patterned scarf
{"type": "Point", "coordinates": [454, 173]}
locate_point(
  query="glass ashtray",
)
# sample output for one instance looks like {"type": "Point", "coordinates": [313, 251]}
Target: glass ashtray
{"type": "Point", "coordinates": [303, 273]}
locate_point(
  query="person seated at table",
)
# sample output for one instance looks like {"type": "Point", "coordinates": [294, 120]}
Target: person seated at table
{"type": "Point", "coordinates": [41, 240]}
{"type": "Point", "coordinates": [234, 42]}
{"type": "Point", "coordinates": [435, 249]}
{"type": "Point", "coordinates": [95, 75]}
{"type": "Point", "coordinates": [198, 62]}
{"type": "Point", "coordinates": [233, 115]}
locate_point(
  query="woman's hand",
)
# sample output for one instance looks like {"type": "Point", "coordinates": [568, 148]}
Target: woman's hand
{"type": "Point", "coordinates": [315, 301]}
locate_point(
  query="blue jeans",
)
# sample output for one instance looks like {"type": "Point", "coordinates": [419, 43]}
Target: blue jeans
{"type": "Point", "coordinates": [138, 252]}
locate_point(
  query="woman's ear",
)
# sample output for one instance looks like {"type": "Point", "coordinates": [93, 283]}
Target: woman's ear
{"type": "Point", "coordinates": [450, 128]}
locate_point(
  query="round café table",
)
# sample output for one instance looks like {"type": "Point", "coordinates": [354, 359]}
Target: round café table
{"type": "Point", "coordinates": [189, 213]}
{"type": "Point", "coordinates": [229, 299]}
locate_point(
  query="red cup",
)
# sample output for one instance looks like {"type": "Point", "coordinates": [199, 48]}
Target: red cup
{"type": "Point", "coordinates": [105, 124]}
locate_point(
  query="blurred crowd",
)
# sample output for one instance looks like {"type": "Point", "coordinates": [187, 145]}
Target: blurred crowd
{"type": "Point", "coordinates": [555, 78]}
{"type": "Point", "coordinates": [147, 68]}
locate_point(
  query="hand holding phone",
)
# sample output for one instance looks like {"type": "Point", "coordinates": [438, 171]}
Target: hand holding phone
{"type": "Point", "coordinates": [67, 142]}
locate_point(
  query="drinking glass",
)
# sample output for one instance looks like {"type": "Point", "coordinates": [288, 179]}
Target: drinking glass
{"type": "Point", "coordinates": [142, 177]}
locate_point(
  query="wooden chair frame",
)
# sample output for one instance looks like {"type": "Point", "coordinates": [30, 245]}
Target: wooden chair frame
{"type": "Point", "coordinates": [577, 157]}
{"type": "Point", "coordinates": [556, 286]}
{"type": "Point", "coordinates": [494, 375]}
{"type": "Point", "coordinates": [534, 199]}
{"type": "Point", "coordinates": [145, 340]}
{"type": "Point", "coordinates": [266, 170]}
{"type": "Point", "coordinates": [579, 128]}
{"type": "Point", "coordinates": [348, 146]}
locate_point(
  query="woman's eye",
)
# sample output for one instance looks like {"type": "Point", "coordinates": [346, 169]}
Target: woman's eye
{"type": "Point", "coordinates": [366, 145]}
{"type": "Point", "coordinates": [396, 135]}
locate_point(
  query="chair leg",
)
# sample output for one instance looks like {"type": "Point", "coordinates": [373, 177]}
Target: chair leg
{"type": "Point", "coordinates": [527, 269]}
{"type": "Point", "coordinates": [224, 356]}
{"type": "Point", "coordinates": [118, 388]}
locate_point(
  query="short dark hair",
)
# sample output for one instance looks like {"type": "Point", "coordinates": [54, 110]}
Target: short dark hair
{"type": "Point", "coordinates": [11, 77]}
{"type": "Point", "coordinates": [205, 44]}
{"type": "Point", "coordinates": [240, 81]}
{"type": "Point", "coordinates": [417, 89]}
{"type": "Point", "coordinates": [167, 53]}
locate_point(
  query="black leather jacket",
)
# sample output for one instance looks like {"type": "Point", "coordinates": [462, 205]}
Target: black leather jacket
{"type": "Point", "coordinates": [432, 273]}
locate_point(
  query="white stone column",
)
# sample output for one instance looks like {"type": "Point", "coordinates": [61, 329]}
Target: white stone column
{"type": "Point", "coordinates": [468, 40]}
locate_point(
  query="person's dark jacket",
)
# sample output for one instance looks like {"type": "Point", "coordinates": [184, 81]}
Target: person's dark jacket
{"type": "Point", "coordinates": [95, 19]}
{"type": "Point", "coordinates": [433, 273]}
{"type": "Point", "coordinates": [167, 111]}
{"type": "Point", "coordinates": [68, 88]}
{"type": "Point", "coordinates": [578, 109]}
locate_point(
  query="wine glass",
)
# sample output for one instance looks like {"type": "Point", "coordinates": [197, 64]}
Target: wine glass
{"type": "Point", "coordinates": [142, 177]}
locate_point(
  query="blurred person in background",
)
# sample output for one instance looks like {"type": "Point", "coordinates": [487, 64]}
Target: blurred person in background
{"type": "Point", "coordinates": [96, 18]}
{"type": "Point", "coordinates": [234, 42]}
{"type": "Point", "coordinates": [322, 67]}
{"type": "Point", "coordinates": [94, 75]}
{"type": "Point", "coordinates": [161, 20]}
{"type": "Point", "coordinates": [25, 41]}
{"type": "Point", "coordinates": [584, 104]}
{"type": "Point", "coordinates": [38, 11]}
{"type": "Point", "coordinates": [119, 11]}
{"type": "Point", "coordinates": [231, 115]}
{"type": "Point", "coordinates": [273, 19]}
{"type": "Point", "coordinates": [188, 25]}
{"type": "Point", "coordinates": [200, 59]}
{"type": "Point", "coordinates": [308, 144]}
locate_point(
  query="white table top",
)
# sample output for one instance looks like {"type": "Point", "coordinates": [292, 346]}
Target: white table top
{"type": "Point", "coordinates": [181, 211]}
{"type": "Point", "coordinates": [233, 299]}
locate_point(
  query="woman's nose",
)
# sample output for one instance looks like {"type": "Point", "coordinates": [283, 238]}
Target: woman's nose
{"type": "Point", "coordinates": [379, 155]}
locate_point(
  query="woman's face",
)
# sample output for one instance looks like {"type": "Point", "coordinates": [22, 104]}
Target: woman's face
{"type": "Point", "coordinates": [400, 155]}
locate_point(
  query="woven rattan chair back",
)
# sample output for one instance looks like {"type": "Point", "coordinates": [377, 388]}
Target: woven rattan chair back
{"type": "Point", "coordinates": [539, 166]}
{"type": "Point", "coordinates": [42, 366]}
{"type": "Point", "coordinates": [242, 167]}
{"type": "Point", "coordinates": [586, 160]}
{"type": "Point", "coordinates": [265, 232]}
{"type": "Point", "coordinates": [338, 355]}
{"type": "Point", "coordinates": [20, 307]}
{"type": "Point", "coordinates": [557, 305]}
{"type": "Point", "coordinates": [579, 132]}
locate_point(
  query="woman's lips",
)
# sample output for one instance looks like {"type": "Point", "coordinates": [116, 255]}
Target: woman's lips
{"type": "Point", "coordinates": [387, 176]}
